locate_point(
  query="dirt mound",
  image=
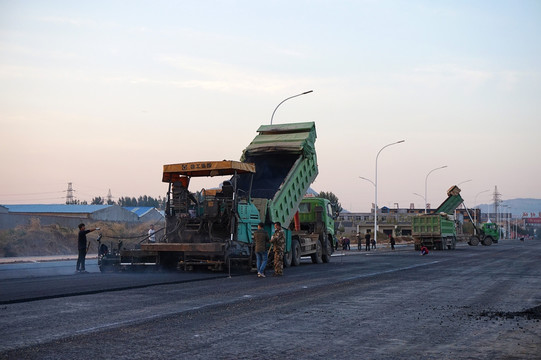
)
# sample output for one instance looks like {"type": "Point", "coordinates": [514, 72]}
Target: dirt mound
{"type": "Point", "coordinates": [37, 240]}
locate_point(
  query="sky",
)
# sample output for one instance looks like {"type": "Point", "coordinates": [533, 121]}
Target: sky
{"type": "Point", "coordinates": [102, 94]}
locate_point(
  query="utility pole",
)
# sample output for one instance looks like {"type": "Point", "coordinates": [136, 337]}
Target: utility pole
{"type": "Point", "coordinates": [497, 198]}
{"type": "Point", "coordinates": [69, 195]}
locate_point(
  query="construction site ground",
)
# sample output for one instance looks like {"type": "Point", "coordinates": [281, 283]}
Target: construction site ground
{"type": "Point", "coordinates": [470, 303]}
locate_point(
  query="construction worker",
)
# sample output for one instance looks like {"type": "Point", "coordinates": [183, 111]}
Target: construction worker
{"type": "Point", "coordinates": [278, 241]}
{"type": "Point", "coordinates": [82, 248]}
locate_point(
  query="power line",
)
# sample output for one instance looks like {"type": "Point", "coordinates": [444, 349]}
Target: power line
{"type": "Point", "coordinates": [28, 194]}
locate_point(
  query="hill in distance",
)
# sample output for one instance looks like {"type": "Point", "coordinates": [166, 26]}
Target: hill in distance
{"type": "Point", "coordinates": [516, 206]}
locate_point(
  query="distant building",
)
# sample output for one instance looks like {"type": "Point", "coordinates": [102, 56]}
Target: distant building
{"type": "Point", "coordinates": [147, 213]}
{"type": "Point", "coordinates": [64, 215]}
{"type": "Point", "coordinates": [396, 222]}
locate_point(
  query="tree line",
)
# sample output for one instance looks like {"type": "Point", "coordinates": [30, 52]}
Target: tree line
{"type": "Point", "coordinates": [126, 201]}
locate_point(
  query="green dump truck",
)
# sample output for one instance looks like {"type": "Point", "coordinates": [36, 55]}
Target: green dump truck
{"type": "Point", "coordinates": [486, 235]}
{"type": "Point", "coordinates": [313, 234]}
{"type": "Point", "coordinates": [214, 227]}
{"type": "Point", "coordinates": [437, 230]}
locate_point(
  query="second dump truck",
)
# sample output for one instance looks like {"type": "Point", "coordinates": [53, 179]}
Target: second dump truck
{"type": "Point", "coordinates": [438, 231]}
{"type": "Point", "coordinates": [214, 227]}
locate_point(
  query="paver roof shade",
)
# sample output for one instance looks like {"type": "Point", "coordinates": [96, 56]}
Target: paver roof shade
{"type": "Point", "coordinates": [206, 168]}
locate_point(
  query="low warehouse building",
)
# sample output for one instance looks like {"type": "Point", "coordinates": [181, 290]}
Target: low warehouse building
{"type": "Point", "coordinates": [64, 215]}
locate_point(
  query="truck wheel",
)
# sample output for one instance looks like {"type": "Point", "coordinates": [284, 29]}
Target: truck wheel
{"type": "Point", "coordinates": [327, 252]}
{"type": "Point", "coordinates": [296, 250]}
{"type": "Point", "coordinates": [474, 241]}
{"type": "Point", "coordinates": [288, 257]}
{"type": "Point", "coordinates": [317, 257]}
{"type": "Point", "coordinates": [487, 241]}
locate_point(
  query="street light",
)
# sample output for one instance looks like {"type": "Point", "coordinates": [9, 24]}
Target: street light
{"type": "Point", "coordinates": [475, 203]}
{"type": "Point", "coordinates": [424, 199]}
{"type": "Point", "coordinates": [426, 179]}
{"type": "Point", "coordinates": [371, 182]}
{"type": "Point", "coordinates": [291, 97]}
{"type": "Point", "coordinates": [462, 182]}
{"type": "Point", "coordinates": [376, 191]}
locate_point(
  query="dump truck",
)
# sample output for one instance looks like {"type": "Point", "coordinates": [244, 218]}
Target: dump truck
{"type": "Point", "coordinates": [486, 235]}
{"type": "Point", "coordinates": [214, 227]}
{"type": "Point", "coordinates": [437, 230]}
{"type": "Point", "coordinates": [313, 231]}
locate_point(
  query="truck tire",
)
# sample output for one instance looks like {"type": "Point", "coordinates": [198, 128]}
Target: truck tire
{"type": "Point", "coordinates": [296, 252]}
{"type": "Point", "coordinates": [487, 241]}
{"type": "Point", "coordinates": [317, 257]}
{"type": "Point", "coordinates": [327, 251]}
{"type": "Point", "coordinates": [474, 241]}
{"type": "Point", "coordinates": [288, 257]}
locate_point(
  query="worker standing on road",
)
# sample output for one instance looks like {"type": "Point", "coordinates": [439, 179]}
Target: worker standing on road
{"type": "Point", "coordinates": [392, 241]}
{"type": "Point", "coordinates": [151, 234]}
{"type": "Point", "coordinates": [367, 241]}
{"type": "Point", "coordinates": [261, 239]}
{"type": "Point", "coordinates": [81, 246]}
{"type": "Point", "coordinates": [278, 240]}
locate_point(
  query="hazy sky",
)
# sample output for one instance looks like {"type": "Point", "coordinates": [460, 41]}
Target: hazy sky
{"type": "Point", "coordinates": [103, 93]}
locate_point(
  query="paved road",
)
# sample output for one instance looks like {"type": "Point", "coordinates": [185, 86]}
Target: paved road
{"type": "Point", "coordinates": [472, 303]}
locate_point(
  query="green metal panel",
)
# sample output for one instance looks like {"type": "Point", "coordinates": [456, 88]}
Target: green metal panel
{"type": "Point", "coordinates": [450, 204]}
{"type": "Point", "coordinates": [286, 201]}
{"type": "Point", "coordinates": [248, 220]}
{"type": "Point", "coordinates": [433, 225]}
{"type": "Point", "coordinates": [297, 138]}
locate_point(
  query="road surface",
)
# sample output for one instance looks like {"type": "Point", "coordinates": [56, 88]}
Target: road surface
{"type": "Point", "coordinates": [471, 303]}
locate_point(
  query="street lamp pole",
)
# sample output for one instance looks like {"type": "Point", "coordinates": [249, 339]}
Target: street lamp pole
{"type": "Point", "coordinates": [370, 181]}
{"type": "Point", "coordinates": [462, 182]}
{"type": "Point", "coordinates": [426, 180]}
{"type": "Point", "coordinates": [421, 196]}
{"type": "Point", "coordinates": [475, 203]}
{"type": "Point", "coordinates": [376, 191]}
{"type": "Point", "coordinates": [291, 97]}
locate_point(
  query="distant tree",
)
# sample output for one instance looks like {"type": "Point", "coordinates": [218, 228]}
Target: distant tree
{"type": "Point", "coordinates": [143, 201]}
{"type": "Point", "coordinates": [336, 206]}
{"type": "Point", "coordinates": [110, 202]}
{"type": "Point", "coordinates": [97, 201]}
{"type": "Point", "coordinates": [126, 201]}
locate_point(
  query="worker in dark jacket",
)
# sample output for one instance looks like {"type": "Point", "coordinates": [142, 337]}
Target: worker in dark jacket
{"type": "Point", "coordinates": [261, 239]}
{"type": "Point", "coordinates": [392, 241]}
{"type": "Point", "coordinates": [367, 241]}
{"type": "Point", "coordinates": [81, 247]}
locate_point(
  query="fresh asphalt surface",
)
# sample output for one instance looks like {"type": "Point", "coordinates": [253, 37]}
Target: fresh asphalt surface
{"type": "Point", "coordinates": [471, 303]}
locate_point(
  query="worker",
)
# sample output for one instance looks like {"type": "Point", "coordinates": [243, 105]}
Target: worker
{"type": "Point", "coordinates": [278, 242]}
{"type": "Point", "coordinates": [367, 241]}
{"type": "Point", "coordinates": [81, 247]}
{"type": "Point", "coordinates": [261, 239]}
{"type": "Point", "coordinates": [392, 241]}
{"type": "Point", "coordinates": [151, 234]}
{"type": "Point", "coordinates": [424, 250]}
